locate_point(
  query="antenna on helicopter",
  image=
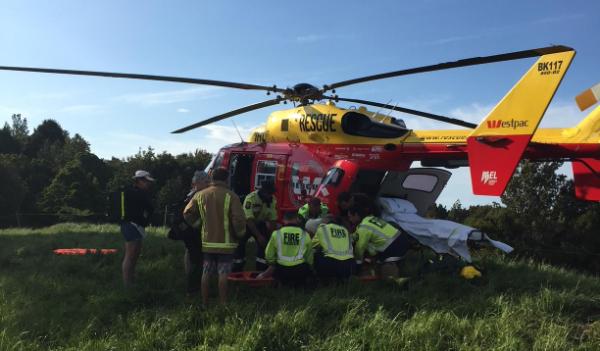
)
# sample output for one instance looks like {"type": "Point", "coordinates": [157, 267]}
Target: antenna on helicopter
{"type": "Point", "coordinates": [381, 108]}
{"type": "Point", "coordinates": [392, 109]}
{"type": "Point", "coordinates": [237, 130]}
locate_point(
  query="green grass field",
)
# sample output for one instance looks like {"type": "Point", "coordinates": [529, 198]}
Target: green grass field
{"type": "Point", "coordinates": [78, 303]}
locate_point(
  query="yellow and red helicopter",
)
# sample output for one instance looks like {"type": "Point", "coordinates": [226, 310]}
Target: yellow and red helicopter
{"type": "Point", "coordinates": [320, 149]}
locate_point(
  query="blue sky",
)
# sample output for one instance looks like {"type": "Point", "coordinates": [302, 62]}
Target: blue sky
{"type": "Point", "coordinates": [275, 42]}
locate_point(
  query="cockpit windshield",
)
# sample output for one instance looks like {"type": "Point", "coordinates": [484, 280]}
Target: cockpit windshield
{"type": "Point", "coordinates": [333, 177]}
{"type": "Point", "coordinates": [355, 123]}
{"type": "Point", "coordinates": [216, 162]}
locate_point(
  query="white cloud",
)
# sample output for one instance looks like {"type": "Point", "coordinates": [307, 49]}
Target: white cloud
{"type": "Point", "coordinates": [474, 112]}
{"type": "Point", "coordinates": [562, 115]}
{"type": "Point", "coordinates": [82, 109]}
{"type": "Point", "coordinates": [7, 111]}
{"type": "Point", "coordinates": [227, 134]}
{"type": "Point", "coordinates": [212, 138]}
{"type": "Point", "coordinates": [170, 97]}
{"type": "Point", "coordinates": [183, 110]}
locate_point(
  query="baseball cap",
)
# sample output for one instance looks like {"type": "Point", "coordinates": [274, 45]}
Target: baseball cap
{"type": "Point", "coordinates": [143, 174]}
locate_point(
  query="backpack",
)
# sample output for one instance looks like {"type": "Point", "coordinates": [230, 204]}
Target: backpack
{"type": "Point", "coordinates": [115, 206]}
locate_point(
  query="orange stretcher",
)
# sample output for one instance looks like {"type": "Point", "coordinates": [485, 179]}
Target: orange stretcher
{"type": "Point", "coordinates": [368, 278]}
{"type": "Point", "coordinates": [249, 278]}
{"type": "Point", "coordinates": [81, 252]}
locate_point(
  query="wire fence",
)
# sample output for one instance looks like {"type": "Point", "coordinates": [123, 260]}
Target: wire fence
{"type": "Point", "coordinates": [42, 219]}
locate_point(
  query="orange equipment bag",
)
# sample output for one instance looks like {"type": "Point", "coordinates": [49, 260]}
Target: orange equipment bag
{"type": "Point", "coordinates": [80, 252]}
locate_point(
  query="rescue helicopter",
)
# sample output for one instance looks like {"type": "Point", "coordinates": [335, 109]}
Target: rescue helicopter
{"type": "Point", "coordinates": [320, 149]}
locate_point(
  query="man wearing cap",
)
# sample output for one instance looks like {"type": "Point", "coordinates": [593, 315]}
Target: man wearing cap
{"type": "Point", "coordinates": [136, 213]}
{"type": "Point", "coordinates": [260, 208]}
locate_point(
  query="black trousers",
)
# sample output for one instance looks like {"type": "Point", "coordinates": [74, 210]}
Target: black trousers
{"type": "Point", "coordinates": [292, 275]}
{"type": "Point", "coordinates": [193, 244]}
{"type": "Point", "coordinates": [239, 256]}
{"type": "Point", "coordinates": [328, 268]}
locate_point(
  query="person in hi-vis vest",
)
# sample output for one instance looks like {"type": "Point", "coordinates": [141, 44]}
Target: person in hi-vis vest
{"type": "Point", "coordinates": [260, 208]}
{"type": "Point", "coordinates": [334, 254]}
{"type": "Point", "coordinates": [379, 238]}
{"type": "Point", "coordinates": [289, 253]}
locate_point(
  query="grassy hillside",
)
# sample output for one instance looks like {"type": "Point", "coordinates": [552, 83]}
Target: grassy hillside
{"type": "Point", "coordinates": [77, 303]}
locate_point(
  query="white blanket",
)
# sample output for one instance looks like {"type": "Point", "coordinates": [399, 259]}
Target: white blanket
{"type": "Point", "coordinates": [442, 236]}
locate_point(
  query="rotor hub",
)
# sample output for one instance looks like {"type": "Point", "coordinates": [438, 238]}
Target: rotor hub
{"type": "Point", "coordinates": [304, 93]}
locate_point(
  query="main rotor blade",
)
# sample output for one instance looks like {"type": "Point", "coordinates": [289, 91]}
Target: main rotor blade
{"type": "Point", "coordinates": [217, 83]}
{"type": "Point", "coordinates": [230, 114]}
{"type": "Point", "coordinates": [454, 64]}
{"type": "Point", "coordinates": [450, 120]}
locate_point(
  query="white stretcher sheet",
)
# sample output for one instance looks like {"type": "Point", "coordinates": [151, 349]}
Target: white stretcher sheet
{"type": "Point", "coordinates": [442, 236]}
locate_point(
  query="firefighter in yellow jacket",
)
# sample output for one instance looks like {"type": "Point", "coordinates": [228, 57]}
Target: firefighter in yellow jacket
{"type": "Point", "coordinates": [378, 238]}
{"type": "Point", "coordinates": [334, 256]}
{"type": "Point", "coordinates": [222, 223]}
{"type": "Point", "coordinates": [289, 252]}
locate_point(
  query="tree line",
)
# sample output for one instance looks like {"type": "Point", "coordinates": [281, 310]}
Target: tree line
{"type": "Point", "coordinates": [48, 176]}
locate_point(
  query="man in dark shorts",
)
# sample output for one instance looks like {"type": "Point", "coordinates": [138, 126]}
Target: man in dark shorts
{"type": "Point", "coordinates": [136, 213]}
{"type": "Point", "coordinates": [222, 223]}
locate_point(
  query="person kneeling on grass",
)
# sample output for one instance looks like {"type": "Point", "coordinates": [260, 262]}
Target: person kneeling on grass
{"type": "Point", "coordinates": [379, 238]}
{"type": "Point", "coordinates": [333, 251]}
{"type": "Point", "coordinates": [289, 253]}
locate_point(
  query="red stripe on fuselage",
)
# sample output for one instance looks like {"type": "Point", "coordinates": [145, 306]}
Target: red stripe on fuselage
{"type": "Point", "coordinates": [377, 157]}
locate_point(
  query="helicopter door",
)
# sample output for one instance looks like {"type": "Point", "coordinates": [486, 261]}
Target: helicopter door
{"type": "Point", "coordinates": [421, 186]}
{"type": "Point", "coordinates": [240, 167]}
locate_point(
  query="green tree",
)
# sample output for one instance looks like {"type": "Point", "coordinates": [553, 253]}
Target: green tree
{"type": "Point", "coordinates": [457, 212]}
{"type": "Point", "coordinates": [547, 221]}
{"type": "Point", "coordinates": [12, 190]}
{"type": "Point", "coordinates": [77, 188]}
{"type": "Point", "coordinates": [8, 143]}
{"type": "Point", "coordinates": [48, 134]}
{"type": "Point", "coordinates": [20, 129]}
{"type": "Point", "coordinates": [437, 211]}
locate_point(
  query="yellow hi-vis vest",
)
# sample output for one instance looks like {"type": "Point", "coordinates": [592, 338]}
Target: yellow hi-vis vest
{"type": "Point", "coordinates": [227, 243]}
{"type": "Point", "coordinates": [374, 234]}
{"type": "Point", "coordinates": [289, 246]}
{"type": "Point", "coordinates": [303, 211]}
{"type": "Point", "coordinates": [335, 241]}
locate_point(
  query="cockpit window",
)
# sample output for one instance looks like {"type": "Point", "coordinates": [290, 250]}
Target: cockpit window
{"type": "Point", "coordinates": [215, 162]}
{"type": "Point", "coordinates": [355, 123]}
{"type": "Point", "coordinates": [333, 177]}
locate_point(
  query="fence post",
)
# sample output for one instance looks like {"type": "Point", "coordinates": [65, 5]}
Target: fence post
{"type": "Point", "coordinates": [165, 217]}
